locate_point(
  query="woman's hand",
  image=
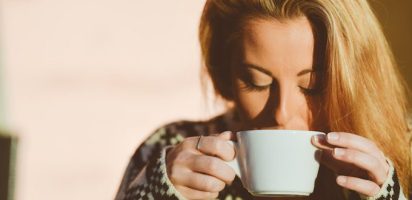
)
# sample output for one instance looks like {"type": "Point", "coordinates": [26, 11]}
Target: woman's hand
{"type": "Point", "coordinates": [201, 173]}
{"type": "Point", "coordinates": [360, 164]}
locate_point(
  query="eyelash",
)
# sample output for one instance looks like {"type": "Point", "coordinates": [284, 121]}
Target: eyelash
{"type": "Point", "coordinates": [309, 91]}
{"type": "Point", "coordinates": [250, 87]}
{"type": "Point", "coordinates": [255, 88]}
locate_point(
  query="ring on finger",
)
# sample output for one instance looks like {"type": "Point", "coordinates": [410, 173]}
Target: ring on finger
{"type": "Point", "coordinates": [198, 143]}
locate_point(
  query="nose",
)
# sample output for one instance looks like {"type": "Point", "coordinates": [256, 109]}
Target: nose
{"type": "Point", "coordinates": [284, 107]}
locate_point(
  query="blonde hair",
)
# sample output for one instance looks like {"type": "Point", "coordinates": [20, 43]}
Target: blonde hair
{"type": "Point", "coordinates": [363, 90]}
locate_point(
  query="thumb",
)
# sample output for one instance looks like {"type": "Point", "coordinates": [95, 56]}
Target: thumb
{"type": "Point", "coordinates": [227, 135]}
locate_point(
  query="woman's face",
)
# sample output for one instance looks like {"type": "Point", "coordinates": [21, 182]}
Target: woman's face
{"type": "Point", "coordinates": [274, 79]}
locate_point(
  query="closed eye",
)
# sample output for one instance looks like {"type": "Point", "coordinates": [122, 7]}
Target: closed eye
{"type": "Point", "coordinates": [309, 91]}
{"type": "Point", "coordinates": [251, 87]}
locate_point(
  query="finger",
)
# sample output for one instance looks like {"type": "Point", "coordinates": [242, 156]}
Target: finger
{"type": "Point", "coordinates": [202, 182]}
{"type": "Point", "coordinates": [362, 186]}
{"type": "Point", "coordinates": [228, 135]}
{"type": "Point", "coordinates": [340, 167]}
{"type": "Point", "coordinates": [352, 141]}
{"type": "Point", "coordinates": [217, 146]}
{"type": "Point", "coordinates": [190, 193]}
{"type": "Point", "coordinates": [364, 161]}
{"type": "Point", "coordinates": [330, 162]}
{"type": "Point", "coordinates": [225, 135]}
{"type": "Point", "coordinates": [320, 142]}
{"type": "Point", "coordinates": [196, 181]}
{"type": "Point", "coordinates": [214, 167]}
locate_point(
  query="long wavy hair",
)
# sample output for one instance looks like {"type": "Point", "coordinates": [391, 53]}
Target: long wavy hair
{"type": "Point", "coordinates": [363, 89]}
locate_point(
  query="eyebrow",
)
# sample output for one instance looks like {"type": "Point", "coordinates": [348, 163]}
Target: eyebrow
{"type": "Point", "coordinates": [267, 72]}
{"type": "Point", "coordinates": [305, 71]}
{"type": "Point", "coordinates": [261, 69]}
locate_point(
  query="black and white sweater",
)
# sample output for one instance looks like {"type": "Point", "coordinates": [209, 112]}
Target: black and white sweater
{"type": "Point", "coordinates": [146, 174]}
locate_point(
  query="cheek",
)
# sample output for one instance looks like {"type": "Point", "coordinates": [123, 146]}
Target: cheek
{"type": "Point", "coordinates": [304, 111]}
{"type": "Point", "coordinates": [316, 115]}
{"type": "Point", "coordinates": [301, 111]}
{"type": "Point", "coordinates": [252, 103]}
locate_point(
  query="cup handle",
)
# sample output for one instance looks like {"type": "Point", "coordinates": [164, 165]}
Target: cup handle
{"type": "Point", "coordinates": [234, 164]}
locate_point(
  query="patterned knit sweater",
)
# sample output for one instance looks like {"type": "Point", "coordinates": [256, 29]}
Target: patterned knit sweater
{"type": "Point", "coordinates": [146, 174]}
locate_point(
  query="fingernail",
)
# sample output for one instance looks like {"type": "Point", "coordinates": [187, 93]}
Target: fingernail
{"type": "Point", "coordinates": [319, 138]}
{"type": "Point", "coordinates": [338, 152]}
{"type": "Point", "coordinates": [341, 180]}
{"type": "Point", "coordinates": [332, 136]}
{"type": "Point", "coordinates": [226, 132]}
{"type": "Point", "coordinates": [315, 140]}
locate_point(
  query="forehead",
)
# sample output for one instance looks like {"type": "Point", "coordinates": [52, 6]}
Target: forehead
{"type": "Point", "coordinates": [271, 43]}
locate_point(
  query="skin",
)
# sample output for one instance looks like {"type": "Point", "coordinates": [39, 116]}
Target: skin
{"type": "Point", "coordinates": [274, 87]}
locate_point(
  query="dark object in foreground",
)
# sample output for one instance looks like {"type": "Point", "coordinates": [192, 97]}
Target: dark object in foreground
{"type": "Point", "coordinates": [7, 165]}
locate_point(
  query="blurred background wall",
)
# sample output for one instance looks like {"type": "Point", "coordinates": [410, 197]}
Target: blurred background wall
{"type": "Point", "coordinates": [396, 19]}
{"type": "Point", "coordinates": [85, 81]}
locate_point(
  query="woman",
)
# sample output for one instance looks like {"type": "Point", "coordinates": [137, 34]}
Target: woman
{"type": "Point", "coordinates": [292, 64]}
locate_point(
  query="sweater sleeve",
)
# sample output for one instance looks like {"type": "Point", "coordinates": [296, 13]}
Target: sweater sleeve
{"type": "Point", "coordinates": [146, 175]}
{"type": "Point", "coordinates": [390, 189]}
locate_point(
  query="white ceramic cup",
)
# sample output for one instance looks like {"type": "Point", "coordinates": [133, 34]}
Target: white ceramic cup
{"type": "Point", "coordinates": [276, 162]}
